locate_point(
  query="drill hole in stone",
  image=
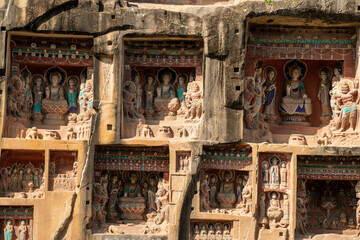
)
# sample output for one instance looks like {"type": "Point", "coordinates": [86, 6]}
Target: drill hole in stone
{"type": "Point", "coordinates": [3, 29]}
{"type": "Point", "coordinates": [280, 234]}
{"type": "Point", "coordinates": [109, 43]}
{"type": "Point", "coordinates": [236, 69]}
{"type": "Point", "coordinates": [109, 127]}
{"type": "Point", "coordinates": [358, 8]}
{"type": "Point", "coordinates": [87, 202]}
{"type": "Point", "coordinates": [112, 16]}
{"type": "Point", "coordinates": [237, 88]}
{"type": "Point", "coordinates": [236, 31]}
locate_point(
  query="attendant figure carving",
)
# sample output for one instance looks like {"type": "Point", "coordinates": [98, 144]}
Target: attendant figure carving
{"type": "Point", "coordinates": [346, 103]}
{"type": "Point", "coordinates": [204, 193]}
{"type": "Point", "coordinates": [14, 100]}
{"type": "Point", "coordinates": [22, 230]}
{"type": "Point", "coordinates": [8, 230]}
{"type": "Point", "coordinates": [194, 102]}
{"type": "Point", "coordinates": [323, 94]}
{"type": "Point", "coordinates": [274, 212]}
{"type": "Point", "coordinates": [274, 172]}
{"type": "Point", "coordinates": [270, 92]}
{"type": "Point", "coordinates": [38, 92]}
{"type": "Point", "coordinates": [72, 95]}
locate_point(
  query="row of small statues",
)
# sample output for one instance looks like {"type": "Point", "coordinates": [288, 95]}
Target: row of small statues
{"type": "Point", "coordinates": [224, 195]}
{"type": "Point", "coordinates": [211, 231]}
{"type": "Point", "coordinates": [112, 195]}
{"type": "Point", "coordinates": [276, 176]}
{"type": "Point", "coordinates": [22, 231]}
{"type": "Point", "coordinates": [272, 214]}
{"type": "Point", "coordinates": [183, 100]}
{"type": "Point", "coordinates": [166, 131]}
{"type": "Point", "coordinates": [27, 102]}
{"type": "Point", "coordinates": [15, 179]}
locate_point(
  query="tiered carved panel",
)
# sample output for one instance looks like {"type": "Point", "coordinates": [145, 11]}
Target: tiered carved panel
{"type": "Point", "coordinates": [50, 88]}
{"type": "Point", "coordinates": [224, 185]}
{"type": "Point", "coordinates": [22, 174]}
{"type": "Point", "coordinates": [274, 190]}
{"type": "Point", "coordinates": [131, 187]}
{"type": "Point", "coordinates": [63, 170]}
{"type": "Point", "coordinates": [16, 222]}
{"type": "Point", "coordinates": [162, 89]}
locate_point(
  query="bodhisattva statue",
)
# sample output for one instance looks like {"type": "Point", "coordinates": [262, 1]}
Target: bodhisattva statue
{"type": "Point", "coordinates": [335, 92]}
{"type": "Point", "coordinates": [265, 166]}
{"type": "Point", "coordinates": [323, 95]}
{"type": "Point", "coordinates": [28, 97]}
{"type": "Point", "coordinates": [8, 230]}
{"type": "Point", "coordinates": [285, 207]}
{"type": "Point", "coordinates": [152, 195]}
{"type": "Point", "coordinates": [114, 192]}
{"type": "Point", "coordinates": [54, 105]}
{"type": "Point", "coordinates": [149, 93]}
{"type": "Point", "coordinates": [204, 194]}
{"type": "Point", "coordinates": [213, 190]}
{"type": "Point", "coordinates": [283, 175]}
{"type": "Point", "coordinates": [181, 90]}
{"type": "Point", "coordinates": [346, 104]}
{"type": "Point", "coordinates": [38, 92]}
{"type": "Point", "coordinates": [22, 230]}
{"type": "Point", "coordinates": [72, 95]}
{"type": "Point", "coordinates": [132, 197]}
{"type": "Point", "coordinates": [296, 105]}
{"type": "Point", "coordinates": [226, 196]}
{"type": "Point", "coordinates": [250, 100]}
{"type": "Point", "coordinates": [270, 92]}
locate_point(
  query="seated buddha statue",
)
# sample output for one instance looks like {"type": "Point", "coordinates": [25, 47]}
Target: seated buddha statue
{"type": "Point", "coordinates": [295, 105]}
{"type": "Point", "coordinates": [54, 105]}
{"type": "Point", "coordinates": [166, 101]}
{"type": "Point", "coordinates": [226, 195]}
{"type": "Point", "coordinates": [132, 205]}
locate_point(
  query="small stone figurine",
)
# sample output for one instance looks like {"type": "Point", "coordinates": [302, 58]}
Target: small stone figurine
{"type": "Point", "coordinates": [22, 230]}
{"type": "Point", "coordinates": [8, 230]}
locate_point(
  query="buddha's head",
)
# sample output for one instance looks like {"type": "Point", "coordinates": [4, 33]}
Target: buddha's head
{"type": "Point", "coordinates": [166, 78]}
{"type": "Point", "coordinates": [286, 196]}
{"type": "Point", "coordinates": [283, 165]}
{"type": "Point", "coordinates": [55, 79]}
{"type": "Point", "coordinates": [131, 88]}
{"type": "Point", "coordinates": [28, 170]}
{"type": "Point", "coordinates": [22, 223]}
{"type": "Point", "coordinates": [17, 84]}
{"type": "Point", "coordinates": [345, 88]}
{"type": "Point", "coordinates": [133, 178]}
{"type": "Point", "coordinates": [213, 179]}
{"type": "Point", "coordinates": [227, 176]}
{"type": "Point", "coordinates": [295, 73]}
{"type": "Point", "coordinates": [336, 71]}
{"type": "Point", "coordinates": [8, 222]}
{"type": "Point", "coordinates": [273, 196]}
{"type": "Point", "coordinates": [266, 165]}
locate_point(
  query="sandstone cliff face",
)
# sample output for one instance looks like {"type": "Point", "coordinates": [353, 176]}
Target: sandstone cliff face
{"type": "Point", "coordinates": [222, 27]}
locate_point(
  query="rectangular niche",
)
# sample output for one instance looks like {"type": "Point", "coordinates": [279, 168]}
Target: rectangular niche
{"type": "Point", "coordinates": [183, 160]}
{"type": "Point", "coordinates": [63, 170]}
{"type": "Point", "coordinates": [327, 194]}
{"type": "Point", "coordinates": [22, 174]}
{"type": "Point", "coordinates": [61, 110]}
{"type": "Point", "coordinates": [211, 230]}
{"type": "Point", "coordinates": [225, 180]}
{"type": "Point", "coordinates": [162, 88]}
{"type": "Point", "coordinates": [20, 219]}
{"type": "Point", "coordinates": [130, 176]}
